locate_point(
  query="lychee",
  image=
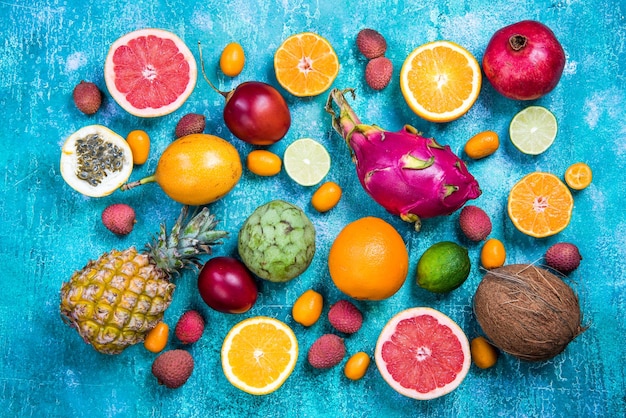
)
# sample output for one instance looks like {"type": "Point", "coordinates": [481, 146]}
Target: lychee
{"type": "Point", "coordinates": [563, 257]}
{"type": "Point", "coordinates": [475, 223]}
{"type": "Point", "coordinates": [173, 368]}
{"type": "Point", "coordinates": [191, 123]}
{"type": "Point", "coordinates": [119, 218]}
{"type": "Point", "coordinates": [345, 317]}
{"type": "Point", "coordinates": [327, 351]}
{"type": "Point", "coordinates": [371, 43]}
{"type": "Point", "coordinates": [190, 327]}
{"type": "Point", "coordinates": [87, 97]}
{"type": "Point", "coordinates": [378, 73]}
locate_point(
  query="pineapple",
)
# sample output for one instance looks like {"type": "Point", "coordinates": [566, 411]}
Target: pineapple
{"type": "Point", "coordinates": [115, 300]}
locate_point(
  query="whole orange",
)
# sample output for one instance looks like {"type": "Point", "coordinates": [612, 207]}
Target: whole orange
{"type": "Point", "coordinates": [198, 169]}
{"type": "Point", "coordinates": [368, 260]}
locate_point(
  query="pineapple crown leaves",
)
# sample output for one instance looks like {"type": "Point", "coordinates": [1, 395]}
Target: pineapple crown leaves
{"type": "Point", "coordinates": [181, 248]}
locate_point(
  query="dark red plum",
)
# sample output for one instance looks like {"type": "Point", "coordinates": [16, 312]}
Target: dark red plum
{"type": "Point", "coordinates": [227, 285]}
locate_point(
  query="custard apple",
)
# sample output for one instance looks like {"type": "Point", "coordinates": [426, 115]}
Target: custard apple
{"type": "Point", "coordinates": [277, 241]}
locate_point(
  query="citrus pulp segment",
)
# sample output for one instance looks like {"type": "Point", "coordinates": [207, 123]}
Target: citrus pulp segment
{"type": "Point", "coordinates": [440, 81]}
{"type": "Point", "coordinates": [533, 130]}
{"type": "Point", "coordinates": [96, 161]}
{"type": "Point", "coordinates": [258, 354]}
{"type": "Point", "coordinates": [150, 72]}
{"type": "Point", "coordinates": [540, 205]}
{"type": "Point", "coordinates": [578, 176]}
{"type": "Point", "coordinates": [306, 161]}
{"type": "Point", "coordinates": [306, 64]}
{"type": "Point", "coordinates": [422, 353]}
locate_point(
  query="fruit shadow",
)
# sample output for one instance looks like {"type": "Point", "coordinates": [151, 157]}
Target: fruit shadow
{"type": "Point", "coordinates": [425, 297]}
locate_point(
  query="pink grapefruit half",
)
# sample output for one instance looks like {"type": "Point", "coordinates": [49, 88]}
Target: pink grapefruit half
{"type": "Point", "coordinates": [150, 72]}
{"type": "Point", "coordinates": [422, 353]}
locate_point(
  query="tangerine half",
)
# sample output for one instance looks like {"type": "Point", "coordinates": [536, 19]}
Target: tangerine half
{"type": "Point", "coordinates": [306, 64]}
{"type": "Point", "coordinates": [540, 205]}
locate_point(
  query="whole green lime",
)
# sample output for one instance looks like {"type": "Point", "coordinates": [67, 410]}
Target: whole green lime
{"type": "Point", "coordinates": [443, 267]}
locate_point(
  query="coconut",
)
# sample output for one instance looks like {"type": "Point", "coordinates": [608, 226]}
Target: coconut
{"type": "Point", "coordinates": [527, 311]}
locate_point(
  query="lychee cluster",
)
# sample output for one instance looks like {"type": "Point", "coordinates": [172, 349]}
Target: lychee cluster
{"type": "Point", "coordinates": [475, 224]}
{"type": "Point", "coordinates": [329, 349]}
{"type": "Point", "coordinates": [379, 68]}
{"type": "Point", "coordinates": [174, 367]}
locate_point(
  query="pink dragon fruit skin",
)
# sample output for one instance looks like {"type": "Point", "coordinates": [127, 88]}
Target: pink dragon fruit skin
{"type": "Point", "coordinates": [409, 175]}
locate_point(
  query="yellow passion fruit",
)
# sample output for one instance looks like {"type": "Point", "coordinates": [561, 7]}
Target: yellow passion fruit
{"type": "Point", "coordinates": [95, 161]}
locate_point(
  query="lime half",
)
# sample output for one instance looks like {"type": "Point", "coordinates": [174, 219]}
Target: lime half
{"type": "Point", "coordinates": [533, 130]}
{"type": "Point", "coordinates": [306, 161]}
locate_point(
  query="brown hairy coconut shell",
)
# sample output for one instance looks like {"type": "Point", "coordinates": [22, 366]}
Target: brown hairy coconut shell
{"type": "Point", "coordinates": [527, 311]}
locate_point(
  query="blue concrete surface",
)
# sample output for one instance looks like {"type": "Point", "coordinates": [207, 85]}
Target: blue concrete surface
{"type": "Point", "coordinates": [47, 230]}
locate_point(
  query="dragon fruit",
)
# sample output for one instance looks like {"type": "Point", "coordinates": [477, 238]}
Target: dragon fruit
{"type": "Point", "coordinates": [409, 175]}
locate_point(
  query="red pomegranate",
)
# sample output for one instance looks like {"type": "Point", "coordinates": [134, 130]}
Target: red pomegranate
{"type": "Point", "coordinates": [524, 61]}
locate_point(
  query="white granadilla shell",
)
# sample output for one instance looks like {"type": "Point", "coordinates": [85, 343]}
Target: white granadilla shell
{"type": "Point", "coordinates": [109, 183]}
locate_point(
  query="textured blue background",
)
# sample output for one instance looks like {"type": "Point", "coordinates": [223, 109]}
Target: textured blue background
{"type": "Point", "coordinates": [48, 230]}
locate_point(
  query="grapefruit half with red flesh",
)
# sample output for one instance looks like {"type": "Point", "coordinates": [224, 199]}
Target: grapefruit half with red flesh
{"type": "Point", "coordinates": [150, 72]}
{"type": "Point", "coordinates": [422, 353]}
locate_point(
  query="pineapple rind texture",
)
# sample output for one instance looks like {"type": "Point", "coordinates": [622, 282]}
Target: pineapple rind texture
{"type": "Point", "coordinates": [115, 300]}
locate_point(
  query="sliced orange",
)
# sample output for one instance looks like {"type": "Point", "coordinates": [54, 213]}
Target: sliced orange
{"type": "Point", "coordinates": [259, 354]}
{"type": "Point", "coordinates": [440, 81]}
{"type": "Point", "coordinates": [306, 64]}
{"type": "Point", "coordinates": [578, 176]}
{"type": "Point", "coordinates": [540, 205]}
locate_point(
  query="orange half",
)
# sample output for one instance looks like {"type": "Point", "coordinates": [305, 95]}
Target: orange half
{"type": "Point", "coordinates": [306, 64]}
{"type": "Point", "coordinates": [258, 354]}
{"type": "Point", "coordinates": [540, 205]}
{"type": "Point", "coordinates": [440, 81]}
